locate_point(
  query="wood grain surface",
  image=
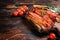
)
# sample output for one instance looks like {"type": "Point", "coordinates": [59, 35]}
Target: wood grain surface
{"type": "Point", "coordinates": [19, 32]}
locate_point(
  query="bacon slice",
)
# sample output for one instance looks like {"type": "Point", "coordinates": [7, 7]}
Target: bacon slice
{"type": "Point", "coordinates": [38, 11]}
{"type": "Point", "coordinates": [49, 21]}
{"type": "Point", "coordinates": [36, 19]}
{"type": "Point", "coordinates": [58, 18]}
{"type": "Point", "coordinates": [51, 14]}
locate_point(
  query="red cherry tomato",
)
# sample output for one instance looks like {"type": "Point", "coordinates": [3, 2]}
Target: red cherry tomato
{"type": "Point", "coordinates": [15, 13]}
{"type": "Point", "coordinates": [18, 10]}
{"type": "Point", "coordinates": [25, 7]}
{"type": "Point", "coordinates": [21, 8]}
{"type": "Point", "coordinates": [52, 36]}
{"type": "Point", "coordinates": [21, 13]}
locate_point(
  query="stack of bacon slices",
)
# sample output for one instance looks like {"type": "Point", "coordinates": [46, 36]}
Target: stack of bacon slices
{"type": "Point", "coordinates": [42, 17]}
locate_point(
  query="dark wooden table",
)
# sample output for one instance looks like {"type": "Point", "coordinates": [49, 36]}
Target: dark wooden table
{"type": "Point", "coordinates": [19, 32]}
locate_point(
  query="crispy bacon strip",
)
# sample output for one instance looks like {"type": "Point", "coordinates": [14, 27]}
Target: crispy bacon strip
{"type": "Point", "coordinates": [38, 20]}
{"type": "Point", "coordinates": [49, 21]}
{"type": "Point", "coordinates": [38, 11]}
{"type": "Point", "coordinates": [51, 14]}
